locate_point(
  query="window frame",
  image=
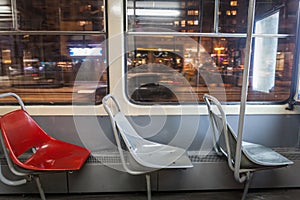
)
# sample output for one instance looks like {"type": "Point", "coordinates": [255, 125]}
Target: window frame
{"type": "Point", "coordinates": [214, 34]}
{"type": "Point", "coordinates": [15, 31]}
{"type": "Point", "coordinates": [294, 92]}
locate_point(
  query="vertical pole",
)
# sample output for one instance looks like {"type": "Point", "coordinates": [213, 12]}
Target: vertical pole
{"type": "Point", "coordinates": [39, 186]}
{"type": "Point", "coordinates": [251, 14]}
{"type": "Point", "coordinates": [14, 14]}
{"type": "Point", "coordinates": [216, 17]}
{"type": "Point", "coordinates": [246, 187]}
{"type": "Point", "coordinates": [148, 182]}
{"type": "Point", "coordinates": [296, 68]}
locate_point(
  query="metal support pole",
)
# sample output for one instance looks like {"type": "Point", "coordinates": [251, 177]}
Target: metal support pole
{"type": "Point", "coordinates": [39, 186]}
{"type": "Point", "coordinates": [148, 182]}
{"type": "Point", "coordinates": [246, 187]}
{"type": "Point", "coordinates": [251, 14]}
{"type": "Point", "coordinates": [14, 13]}
{"type": "Point", "coordinates": [6, 181]}
{"type": "Point", "coordinates": [216, 16]}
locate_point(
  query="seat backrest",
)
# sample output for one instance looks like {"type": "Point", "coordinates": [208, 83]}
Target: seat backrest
{"type": "Point", "coordinates": [225, 140]}
{"type": "Point", "coordinates": [145, 152]}
{"type": "Point", "coordinates": [21, 133]}
{"type": "Point", "coordinates": [122, 126]}
{"type": "Point", "coordinates": [221, 142]}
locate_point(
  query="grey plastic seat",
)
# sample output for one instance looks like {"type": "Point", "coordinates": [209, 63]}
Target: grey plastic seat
{"type": "Point", "coordinates": [147, 156]}
{"type": "Point", "coordinates": [252, 157]}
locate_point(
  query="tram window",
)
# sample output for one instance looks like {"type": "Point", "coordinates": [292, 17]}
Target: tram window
{"type": "Point", "coordinates": [144, 15]}
{"type": "Point", "coordinates": [202, 60]}
{"type": "Point", "coordinates": [64, 15]}
{"type": "Point", "coordinates": [51, 62]}
{"type": "Point", "coordinates": [177, 15]}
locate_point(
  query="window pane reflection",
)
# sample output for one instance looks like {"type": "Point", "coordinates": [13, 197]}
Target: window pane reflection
{"type": "Point", "coordinates": [199, 16]}
{"type": "Point", "coordinates": [287, 11]}
{"type": "Point", "coordinates": [54, 69]}
{"type": "Point", "coordinates": [175, 15]}
{"type": "Point", "coordinates": [64, 15]}
{"type": "Point", "coordinates": [6, 15]}
{"type": "Point", "coordinates": [172, 69]}
{"type": "Point", "coordinates": [208, 64]}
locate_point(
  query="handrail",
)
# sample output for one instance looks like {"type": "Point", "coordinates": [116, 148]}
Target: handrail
{"type": "Point", "coordinates": [10, 94]}
{"type": "Point", "coordinates": [9, 162]}
{"type": "Point", "coordinates": [11, 167]}
{"type": "Point", "coordinates": [105, 100]}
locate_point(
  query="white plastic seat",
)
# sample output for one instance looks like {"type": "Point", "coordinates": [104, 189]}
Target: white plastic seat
{"type": "Point", "coordinates": [147, 155]}
{"type": "Point", "coordinates": [253, 157]}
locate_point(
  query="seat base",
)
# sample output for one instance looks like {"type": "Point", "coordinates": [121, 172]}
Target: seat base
{"type": "Point", "coordinates": [57, 156]}
{"type": "Point", "coordinates": [262, 155]}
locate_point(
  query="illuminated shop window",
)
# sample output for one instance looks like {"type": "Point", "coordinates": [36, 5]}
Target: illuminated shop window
{"type": "Point", "coordinates": [233, 3]}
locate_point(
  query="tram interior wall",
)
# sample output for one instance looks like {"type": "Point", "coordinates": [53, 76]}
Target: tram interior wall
{"type": "Point", "coordinates": [276, 131]}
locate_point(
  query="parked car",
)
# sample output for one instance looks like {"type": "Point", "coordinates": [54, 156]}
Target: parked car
{"type": "Point", "coordinates": [154, 83]}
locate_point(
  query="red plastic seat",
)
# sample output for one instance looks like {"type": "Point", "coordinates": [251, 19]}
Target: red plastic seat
{"type": "Point", "coordinates": [21, 133]}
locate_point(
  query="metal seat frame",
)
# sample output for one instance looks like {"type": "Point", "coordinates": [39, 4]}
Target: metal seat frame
{"type": "Point", "coordinates": [21, 135]}
{"type": "Point", "coordinates": [251, 157]}
{"type": "Point", "coordinates": [147, 156]}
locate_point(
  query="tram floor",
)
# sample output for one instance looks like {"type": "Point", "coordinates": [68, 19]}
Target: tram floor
{"type": "Point", "coordinates": [261, 194]}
